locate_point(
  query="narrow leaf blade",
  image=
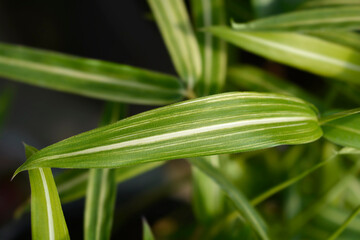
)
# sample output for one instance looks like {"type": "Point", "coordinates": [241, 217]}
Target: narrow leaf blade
{"type": "Point", "coordinates": [175, 27]}
{"type": "Point", "coordinates": [88, 77]}
{"type": "Point", "coordinates": [147, 234]}
{"type": "Point", "coordinates": [304, 52]}
{"type": "Point", "coordinates": [47, 219]}
{"type": "Point", "coordinates": [239, 201]}
{"type": "Point", "coordinates": [341, 18]}
{"type": "Point", "coordinates": [213, 50]}
{"type": "Point", "coordinates": [344, 131]}
{"type": "Point", "coordinates": [348, 39]}
{"type": "Point", "coordinates": [223, 123]}
{"type": "Point", "coordinates": [101, 189]}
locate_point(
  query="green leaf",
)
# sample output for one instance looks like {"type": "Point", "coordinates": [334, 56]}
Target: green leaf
{"type": "Point", "coordinates": [264, 8]}
{"type": "Point", "coordinates": [345, 224]}
{"type": "Point", "coordinates": [238, 199]}
{"type": "Point", "coordinates": [300, 51]}
{"type": "Point", "coordinates": [348, 39]}
{"type": "Point", "coordinates": [147, 234]}
{"type": "Point", "coordinates": [339, 115]}
{"type": "Point", "coordinates": [255, 79]}
{"type": "Point", "coordinates": [213, 50]}
{"type": "Point", "coordinates": [223, 123]}
{"type": "Point", "coordinates": [47, 218]}
{"type": "Point", "coordinates": [175, 27]}
{"type": "Point", "coordinates": [101, 188]}
{"type": "Point", "coordinates": [344, 131]}
{"type": "Point", "coordinates": [72, 183]}
{"type": "Point", "coordinates": [88, 77]}
{"type": "Point", "coordinates": [329, 3]}
{"type": "Point", "coordinates": [208, 200]}
{"type": "Point", "coordinates": [342, 18]}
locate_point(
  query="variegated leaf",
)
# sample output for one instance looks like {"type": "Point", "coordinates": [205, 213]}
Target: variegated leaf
{"type": "Point", "coordinates": [223, 123]}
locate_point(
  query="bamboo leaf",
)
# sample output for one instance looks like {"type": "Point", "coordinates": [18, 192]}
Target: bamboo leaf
{"type": "Point", "coordinates": [88, 77]}
{"type": "Point", "coordinates": [341, 18]}
{"type": "Point", "coordinates": [47, 219]}
{"type": "Point", "coordinates": [72, 183]}
{"type": "Point", "coordinates": [348, 39]}
{"type": "Point", "coordinates": [101, 188]}
{"type": "Point", "coordinates": [344, 131]}
{"type": "Point", "coordinates": [175, 27]}
{"type": "Point", "coordinates": [255, 79]}
{"type": "Point", "coordinates": [339, 115]}
{"type": "Point", "coordinates": [213, 50]}
{"type": "Point", "coordinates": [238, 199]}
{"type": "Point", "coordinates": [208, 200]}
{"type": "Point", "coordinates": [223, 123]}
{"type": "Point", "coordinates": [345, 224]}
{"type": "Point", "coordinates": [329, 3]}
{"type": "Point", "coordinates": [147, 234]}
{"type": "Point", "coordinates": [300, 51]}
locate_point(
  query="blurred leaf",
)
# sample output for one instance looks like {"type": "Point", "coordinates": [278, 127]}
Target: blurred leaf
{"type": "Point", "coordinates": [72, 183]}
{"type": "Point", "coordinates": [348, 39]}
{"type": "Point", "coordinates": [175, 27]}
{"type": "Point", "coordinates": [88, 77]}
{"type": "Point", "coordinates": [345, 224]}
{"type": "Point", "coordinates": [344, 131]}
{"type": "Point", "coordinates": [287, 183]}
{"type": "Point", "coordinates": [223, 123]}
{"type": "Point", "coordinates": [147, 234]}
{"type": "Point", "coordinates": [101, 188]}
{"type": "Point", "coordinates": [340, 18]}
{"type": "Point", "coordinates": [328, 3]}
{"type": "Point", "coordinates": [264, 8]}
{"type": "Point", "coordinates": [240, 202]}
{"type": "Point", "coordinates": [300, 51]}
{"type": "Point", "coordinates": [213, 50]}
{"type": "Point", "coordinates": [255, 79]}
{"type": "Point", "coordinates": [339, 115]}
{"type": "Point", "coordinates": [47, 218]}
{"type": "Point", "coordinates": [349, 150]}
{"type": "Point", "coordinates": [239, 10]}
{"type": "Point", "coordinates": [208, 200]}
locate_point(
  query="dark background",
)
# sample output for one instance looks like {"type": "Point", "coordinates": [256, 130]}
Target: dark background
{"type": "Point", "coordinates": [117, 31]}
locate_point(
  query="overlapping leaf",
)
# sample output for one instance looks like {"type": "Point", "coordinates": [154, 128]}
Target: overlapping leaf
{"type": "Point", "coordinates": [47, 219]}
{"type": "Point", "coordinates": [147, 234]}
{"type": "Point", "coordinates": [348, 39]}
{"type": "Point", "coordinates": [343, 18]}
{"type": "Point", "coordinates": [328, 3]}
{"type": "Point", "coordinates": [255, 79]}
{"type": "Point", "coordinates": [304, 52]}
{"type": "Point", "coordinates": [88, 77]}
{"type": "Point", "coordinates": [213, 50]}
{"type": "Point", "coordinates": [101, 188]}
{"type": "Point", "coordinates": [238, 199]}
{"type": "Point", "coordinates": [174, 23]}
{"type": "Point", "coordinates": [223, 123]}
{"type": "Point", "coordinates": [344, 131]}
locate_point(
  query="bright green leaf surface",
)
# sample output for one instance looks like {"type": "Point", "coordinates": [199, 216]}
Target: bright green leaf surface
{"type": "Point", "coordinates": [147, 234]}
{"type": "Point", "coordinates": [213, 50]}
{"type": "Point", "coordinates": [238, 199]}
{"type": "Point", "coordinates": [175, 27]}
{"type": "Point", "coordinates": [47, 219]}
{"type": "Point", "coordinates": [255, 79]}
{"type": "Point", "coordinates": [101, 188]}
{"type": "Point", "coordinates": [208, 200]}
{"type": "Point", "coordinates": [348, 39]}
{"type": "Point", "coordinates": [342, 18]}
{"type": "Point", "coordinates": [344, 131]}
{"type": "Point", "coordinates": [223, 123]}
{"type": "Point", "coordinates": [293, 49]}
{"type": "Point", "coordinates": [345, 224]}
{"type": "Point", "coordinates": [88, 77]}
